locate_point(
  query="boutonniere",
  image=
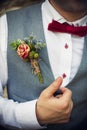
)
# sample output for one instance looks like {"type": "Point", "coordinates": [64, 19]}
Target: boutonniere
{"type": "Point", "coordinates": [28, 50]}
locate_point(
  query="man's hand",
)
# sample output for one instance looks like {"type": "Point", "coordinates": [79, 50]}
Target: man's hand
{"type": "Point", "coordinates": [53, 110]}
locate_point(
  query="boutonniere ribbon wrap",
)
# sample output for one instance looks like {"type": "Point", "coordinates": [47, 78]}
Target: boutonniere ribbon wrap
{"type": "Point", "coordinates": [28, 50]}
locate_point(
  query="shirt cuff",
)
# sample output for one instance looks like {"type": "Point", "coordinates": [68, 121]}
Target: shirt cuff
{"type": "Point", "coordinates": [26, 115]}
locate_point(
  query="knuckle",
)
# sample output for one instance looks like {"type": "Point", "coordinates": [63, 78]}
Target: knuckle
{"type": "Point", "coordinates": [64, 106]}
{"type": "Point", "coordinates": [72, 105]}
{"type": "Point", "coordinates": [70, 92]}
{"type": "Point", "coordinates": [64, 121]}
{"type": "Point", "coordinates": [68, 113]}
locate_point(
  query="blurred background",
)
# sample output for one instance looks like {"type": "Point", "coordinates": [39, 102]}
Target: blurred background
{"type": "Point", "coordinates": [6, 5]}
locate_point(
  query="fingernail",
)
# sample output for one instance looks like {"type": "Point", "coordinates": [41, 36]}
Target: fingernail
{"type": "Point", "coordinates": [60, 77]}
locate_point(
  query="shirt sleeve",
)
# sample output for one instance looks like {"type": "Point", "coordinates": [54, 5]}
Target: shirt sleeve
{"type": "Point", "coordinates": [18, 115]}
{"type": "Point", "coordinates": [13, 114]}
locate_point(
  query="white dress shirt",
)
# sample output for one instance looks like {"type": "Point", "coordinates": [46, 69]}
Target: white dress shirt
{"type": "Point", "coordinates": [65, 52]}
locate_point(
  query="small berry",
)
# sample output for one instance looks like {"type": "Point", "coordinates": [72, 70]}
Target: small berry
{"type": "Point", "coordinates": [36, 55]}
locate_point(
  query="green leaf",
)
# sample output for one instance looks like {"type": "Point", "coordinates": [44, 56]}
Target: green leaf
{"type": "Point", "coordinates": [40, 78]}
{"type": "Point", "coordinates": [15, 44]}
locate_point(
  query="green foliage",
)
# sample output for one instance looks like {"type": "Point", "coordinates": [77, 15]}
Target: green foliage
{"type": "Point", "coordinates": [15, 44]}
{"type": "Point", "coordinates": [33, 44]}
{"type": "Point", "coordinates": [40, 77]}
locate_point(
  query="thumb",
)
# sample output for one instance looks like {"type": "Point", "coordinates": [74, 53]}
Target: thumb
{"type": "Point", "coordinates": [54, 87]}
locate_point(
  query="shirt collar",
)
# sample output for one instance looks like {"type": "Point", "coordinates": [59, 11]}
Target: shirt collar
{"type": "Point", "coordinates": [56, 16]}
{"type": "Point", "coordinates": [80, 22]}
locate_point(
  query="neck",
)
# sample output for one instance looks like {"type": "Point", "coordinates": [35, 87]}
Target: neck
{"type": "Point", "coordinates": [69, 16]}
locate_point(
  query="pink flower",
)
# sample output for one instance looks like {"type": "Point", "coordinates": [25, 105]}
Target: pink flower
{"type": "Point", "coordinates": [23, 50]}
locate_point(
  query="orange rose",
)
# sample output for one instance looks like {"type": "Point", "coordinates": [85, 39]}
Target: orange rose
{"type": "Point", "coordinates": [23, 50]}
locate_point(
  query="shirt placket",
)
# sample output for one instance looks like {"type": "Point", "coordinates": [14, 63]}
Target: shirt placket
{"type": "Point", "coordinates": [66, 58]}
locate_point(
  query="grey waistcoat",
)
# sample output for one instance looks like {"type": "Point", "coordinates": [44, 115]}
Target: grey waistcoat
{"type": "Point", "coordinates": [23, 85]}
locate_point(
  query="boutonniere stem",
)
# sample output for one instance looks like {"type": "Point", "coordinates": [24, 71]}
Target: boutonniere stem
{"type": "Point", "coordinates": [36, 69]}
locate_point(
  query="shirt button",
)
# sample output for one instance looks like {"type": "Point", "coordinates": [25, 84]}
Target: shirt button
{"type": "Point", "coordinates": [64, 75]}
{"type": "Point", "coordinates": [66, 46]}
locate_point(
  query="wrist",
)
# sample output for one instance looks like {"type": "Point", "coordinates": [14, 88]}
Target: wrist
{"type": "Point", "coordinates": [41, 123]}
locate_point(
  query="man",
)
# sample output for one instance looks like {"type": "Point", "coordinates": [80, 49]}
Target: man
{"type": "Point", "coordinates": [65, 55]}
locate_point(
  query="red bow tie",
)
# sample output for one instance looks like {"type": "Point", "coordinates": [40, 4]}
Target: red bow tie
{"type": "Point", "coordinates": [66, 28]}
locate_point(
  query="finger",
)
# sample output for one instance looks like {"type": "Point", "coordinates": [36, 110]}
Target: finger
{"type": "Point", "coordinates": [63, 121]}
{"type": "Point", "coordinates": [58, 96]}
{"type": "Point", "coordinates": [53, 87]}
{"type": "Point", "coordinates": [60, 120]}
{"type": "Point", "coordinates": [67, 94]}
{"type": "Point", "coordinates": [71, 105]}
